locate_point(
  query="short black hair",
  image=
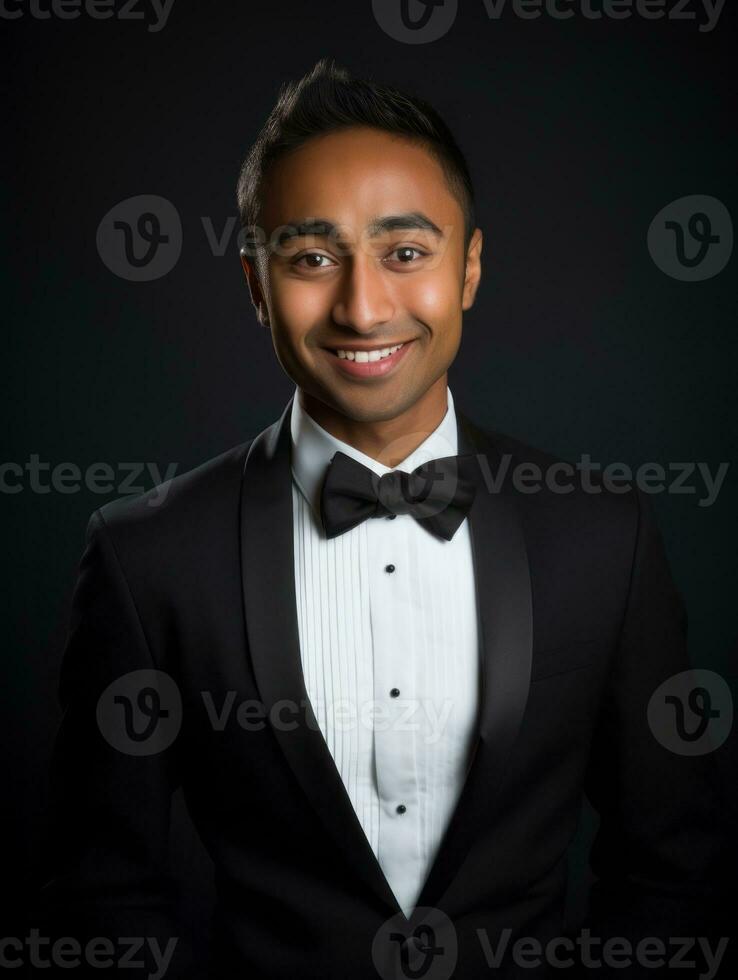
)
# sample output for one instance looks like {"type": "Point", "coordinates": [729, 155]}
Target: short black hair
{"type": "Point", "coordinates": [329, 98]}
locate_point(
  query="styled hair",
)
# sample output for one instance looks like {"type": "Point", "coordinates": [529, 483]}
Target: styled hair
{"type": "Point", "coordinates": [328, 99]}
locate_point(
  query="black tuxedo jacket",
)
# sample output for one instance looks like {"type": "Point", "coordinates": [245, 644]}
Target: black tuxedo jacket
{"type": "Point", "coordinates": [580, 623]}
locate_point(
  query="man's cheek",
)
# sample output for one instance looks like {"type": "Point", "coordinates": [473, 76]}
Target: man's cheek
{"type": "Point", "coordinates": [311, 307]}
{"type": "Point", "coordinates": [434, 297]}
{"type": "Point", "coordinates": [300, 309]}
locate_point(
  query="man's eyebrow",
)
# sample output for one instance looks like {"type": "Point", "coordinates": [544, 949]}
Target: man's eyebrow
{"type": "Point", "coordinates": [322, 227]}
{"type": "Point", "coordinates": [409, 221]}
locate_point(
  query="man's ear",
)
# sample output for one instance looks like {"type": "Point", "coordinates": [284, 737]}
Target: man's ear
{"type": "Point", "coordinates": [472, 270]}
{"type": "Point", "coordinates": [248, 264]}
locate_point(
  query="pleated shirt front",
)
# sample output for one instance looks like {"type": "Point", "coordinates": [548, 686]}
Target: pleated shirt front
{"type": "Point", "coordinates": [390, 658]}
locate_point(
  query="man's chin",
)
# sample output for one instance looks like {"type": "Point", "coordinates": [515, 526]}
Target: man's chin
{"type": "Point", "coordinates": [367, 403]}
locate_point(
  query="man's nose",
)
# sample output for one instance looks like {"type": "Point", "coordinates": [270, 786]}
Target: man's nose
{"type": "Point", "coordinates": [364, 298]}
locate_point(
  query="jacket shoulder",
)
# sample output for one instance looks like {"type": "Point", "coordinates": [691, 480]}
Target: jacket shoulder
{"type": "Point", "coordinates": [188, 500]}
{"type": "Point", "coordinates": [588, 493]}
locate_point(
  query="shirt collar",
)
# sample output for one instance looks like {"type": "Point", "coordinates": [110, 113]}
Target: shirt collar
{"type": "Point", "coordinates": [313, 448]}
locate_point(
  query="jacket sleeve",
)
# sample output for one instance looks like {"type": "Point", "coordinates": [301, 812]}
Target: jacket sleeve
{"type": "Point", "coordinates": [114, 769]}
{"type": "Point", "coordinates": [657, 854]}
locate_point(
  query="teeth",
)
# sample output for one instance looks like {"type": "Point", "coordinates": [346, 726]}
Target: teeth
{"type": "Point", "coordinates": [362, 356]}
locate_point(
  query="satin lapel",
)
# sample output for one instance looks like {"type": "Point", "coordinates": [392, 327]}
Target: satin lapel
{"type": "Point", "coordinates": [505, 616]}
{"type": "Point", "coordinates": [267, 569]}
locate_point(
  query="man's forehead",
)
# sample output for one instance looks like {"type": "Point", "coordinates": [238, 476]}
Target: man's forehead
{"type": "Point", "coordinates": [361, 186]}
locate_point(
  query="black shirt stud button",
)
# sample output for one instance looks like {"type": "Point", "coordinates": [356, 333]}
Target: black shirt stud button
{"type": "Point", "coordinates": [401, 808]}
{"type": "Point", "coordinates": [389, 568]}
{"type": "Point", "coordinates": [395, 692]}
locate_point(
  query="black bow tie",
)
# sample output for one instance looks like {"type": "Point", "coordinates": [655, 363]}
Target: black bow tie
{"type": "Point", "coordinates": [438, 494]}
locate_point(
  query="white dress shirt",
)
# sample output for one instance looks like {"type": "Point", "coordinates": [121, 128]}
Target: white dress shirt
{"type": "Point", "coordinates": [390, 658]}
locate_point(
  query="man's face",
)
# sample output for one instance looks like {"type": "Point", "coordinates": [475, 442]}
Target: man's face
{"type": "Point", "coordinates": [361, 281]}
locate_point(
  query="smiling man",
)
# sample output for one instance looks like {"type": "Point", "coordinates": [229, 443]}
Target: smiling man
{"type": "Point", "coordinates": [373, 259]}
{"type": "Point", "coordinates": [384, 681]}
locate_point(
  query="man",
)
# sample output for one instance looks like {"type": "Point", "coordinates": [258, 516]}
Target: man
{"type": "Point", "coordinates": [382, 694]}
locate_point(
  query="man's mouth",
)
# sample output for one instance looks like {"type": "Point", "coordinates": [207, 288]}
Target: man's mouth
{"type": "Point", "coordinates": [368, 362]}
{"type": "Point", "coordinates": [364, 355]}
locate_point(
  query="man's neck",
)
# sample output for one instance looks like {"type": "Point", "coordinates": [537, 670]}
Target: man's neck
{"type": "Point", "coordinates": [389, 441]}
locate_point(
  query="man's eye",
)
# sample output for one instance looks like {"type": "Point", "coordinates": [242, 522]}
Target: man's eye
{"type": "Point", "coordinates": [402, 252]}
{"type": "Point", "coordinates": [312, 255]}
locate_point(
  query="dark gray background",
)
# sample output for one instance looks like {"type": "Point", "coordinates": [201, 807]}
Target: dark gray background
{"type": "Point", "coordinates": [577, 132]}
